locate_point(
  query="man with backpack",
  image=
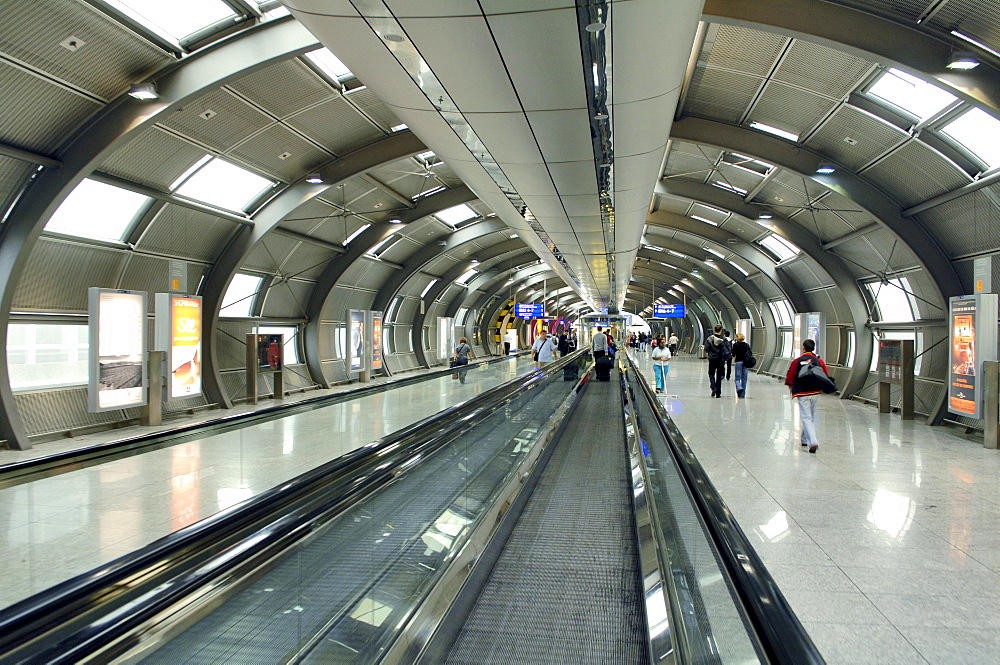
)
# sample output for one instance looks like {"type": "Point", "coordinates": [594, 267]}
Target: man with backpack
{"type": "Point", "coordinates": [716, 347]}
{"type": "Point", "coordinates": [806, 378]}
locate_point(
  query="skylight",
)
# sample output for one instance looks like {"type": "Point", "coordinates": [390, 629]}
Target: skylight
{"type": "Point", "coordinates": [239, 296]}
{"type": "Point", "coordinates": [225, 185]}
{"type": "Point", "coordinates": [911, 94]}
{"type": "Point", "coordinates": [979, 133]}
{"type": "Point", "coordinates": [383, 244]}
{"type": "Point", "coordinates": [780, 247]}
{"type": "Point", "coordinates": [456, 214]}
{"type": "Point", "coordinates": [466, 276]}
{"type": "Point", "coordinates": [398, 128]}
{"type": "Point", "coordinates": [176, 19]}
{"type": "Point", "coordinates": [356, 233]}
{"type": "Point", "coordinates": [782, 312]}
{"type": "Point", "coordinates": [98, 211]}
{"type": "Point", "coordinates": [423, 294]}
{"type": "Point", "coordinates": [704, 219]}
{"type": "Point", "coordinates": [329, 64]}
{"type": "Point", "coordinates": [774, 130]}
{"type": "Point", "coordinates": [730, 188]}
{"type": "Point", "coordinates": [739, 267]}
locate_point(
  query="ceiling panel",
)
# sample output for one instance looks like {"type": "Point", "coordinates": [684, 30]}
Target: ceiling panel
{"type": "Point", "coordinates": [270, 253]}
{"type": "Point", "coordinates": [826, 71]}
{"type": "Point", "coordinates": [916, 172]}
{"type": "Point", "coordinates": [366, 100]}
{"type": "Point", "coordinates": [741, 49]}
{"type": "Point", "coordinates": [284, 88]}
{"type": "Point", "coordinates": [154, 158]}
{"type": "Point", "coordinates": [308, 261]}
{"type": "Point", "coordinates": [720, 95]}
{"type": "Point", "coordinates": [43, 288]}
{"type": "Point", "coordinates": [790, 109]}
{"type": "Point", "coordinates": [231, 121]}
{"type": "Point", "coordinates": [869, 137]}
{"type": "Point", "coordinates": [182, 232]}
{"type": "Point", "coordinates": [14, 175]}
{"type": "Point", "coordinates": [336, 125]}
{"type": "Point", "coordinates": [280, 153]}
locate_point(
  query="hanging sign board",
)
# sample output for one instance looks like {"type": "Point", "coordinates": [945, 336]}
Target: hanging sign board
{"type": "Point", "coordinates": [536, 311]}
{"type": "Point", "coordinates": [668, 311]}
{"type": "Point", "coordinates": [178, 332]}
{"type": "Point", "coordinates": [117, 322]}
{"type": "Point", "coordinates": [376, 341]}
{"type": "Point", "coordinates": [973, 340]}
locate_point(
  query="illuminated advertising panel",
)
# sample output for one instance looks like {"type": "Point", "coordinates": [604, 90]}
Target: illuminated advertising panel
{"type": "Point", "coordinates": [178, 332]}
{"type": "Point", "coordinates": [972, 337]}
{"type": "Point", "coordinates": [668, 311]}
{"type": "Point", "coordinates": [117, 349]}
{"type": "Point", "coordinates": [270, 352]}
{"type": "Point", "coordinates": [355, 340]}
{"type": "Point", "coordinates": [376, 340]}
{"type": "Point", "coordinates": [445, 338]}
{"type": "Point", "coordinates": [890, 360]}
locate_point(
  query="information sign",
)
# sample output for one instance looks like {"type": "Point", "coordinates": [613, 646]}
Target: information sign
{"type": "Point", "coordinates": [534, 311]}
{"type": "Point", "coordinates": [376, 340]}
{"type": "Point", "coordinates": [668, 311]}
{"type": "Point", "coordinates": [178, 332]}
{"type": "Point", "coordinates": [890, 361]}
{"type": "Point", "coordinates": [117, 322]}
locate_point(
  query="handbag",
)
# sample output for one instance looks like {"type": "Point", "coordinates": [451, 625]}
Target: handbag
{"type": "Point", "coordinates": [749, 361]}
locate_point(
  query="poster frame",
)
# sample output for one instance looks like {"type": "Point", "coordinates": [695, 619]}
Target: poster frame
{"type": "Point", "coordinates": [355, 358]}
{"type": "Point", "coordinates": [165, 328]}
{"type": "Point", "coordinates": [95, 320]}
{"type": "Point", "coordinates": [965, 395]}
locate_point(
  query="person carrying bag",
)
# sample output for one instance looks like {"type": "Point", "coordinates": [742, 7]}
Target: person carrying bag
{"type": "Point", "coordinates": [460, 360]}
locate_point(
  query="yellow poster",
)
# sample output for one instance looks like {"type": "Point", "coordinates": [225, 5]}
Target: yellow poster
{"type": "Point", "coordinates": [185, 346]}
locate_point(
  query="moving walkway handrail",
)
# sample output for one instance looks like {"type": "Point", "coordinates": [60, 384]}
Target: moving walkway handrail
{"type": "Point", "coordinates": [90, 611]}
{"type": "Point", "coordinates": [16, 472]}
{"type": "Point", "coordinates": [778, 628]}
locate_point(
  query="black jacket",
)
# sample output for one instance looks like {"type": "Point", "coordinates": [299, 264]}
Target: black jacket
{"type": "Point", "coordinates": [740, 351]}
{"type": "Point", "coordinates": [713, 347]}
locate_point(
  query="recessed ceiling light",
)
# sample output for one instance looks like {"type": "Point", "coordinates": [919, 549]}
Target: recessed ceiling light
{"type": "Point", "coordinates": [314, 178]}
{"type": "Point", "coordinates": [395, 220]}
{"type": "Point", "coordinates": [963, 60]}
{"type": "Point", "coordinates": [392, 37]}
{"type": "Point", "coordinates": [825, 168]}
{"type": "Point", "coordinates": [595, 27]}
{"type": "Point", "coordinates": [143, 91]}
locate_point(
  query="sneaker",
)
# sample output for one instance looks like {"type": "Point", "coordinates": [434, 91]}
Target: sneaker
{"type": "Point", "coordinates": [804, 444]}
{"type": "Point", "coordinates": [813, 449]}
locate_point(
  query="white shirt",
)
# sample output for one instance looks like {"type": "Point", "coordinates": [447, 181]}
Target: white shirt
{"type": "Point", "coordinates": [673, 339]}
{"type": "Point", "coordinates": [599, 342]}
{"type": "Point", "coordinates": [546, 349]}
{"type": "Point", "coordinates": [661, 356]}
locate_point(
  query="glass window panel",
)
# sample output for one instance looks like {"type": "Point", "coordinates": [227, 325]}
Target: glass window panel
{"type": "Point", "coordinates": [291, 341]}
{"type": "Point", "coordinates": [782, 312]}
{"type": "Point", "coordinates": [786, 344]}
{"type": "Point", "coordinates": [46, 355]}
{"type": "Point", "coordinates": [911, 94]}
{"type": "Point", "coordinates": [979, 133]}
{"type": "Point", "coordinates": [329, 63]}
{"type": "Point", "coordinates": [175, 19]}
{"type": "Point", "coordinates": [240, 295]}
{"type": "Point", "coordinates": [891, 300]}
{"type": "Point", "coordinates": [780, 247]}
{"type": "Point", "coordinates": [850, 349]}
{"type": "Point", "coordinates": [456, 214]}
{"type": "Point", "coordinates": [96, 210]}
{"type": "Point", "coordinates": [225, 185]}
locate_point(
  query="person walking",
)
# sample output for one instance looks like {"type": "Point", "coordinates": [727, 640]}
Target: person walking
{"type": "Point", "coordinates": [727, 354]}
{"type": "Point", "coordinates": [661, 365]}
{"type": "Point", "coordinates": [599, 344]}
{"type": "Point", "coordinates": [460, 359]}
{"type": "Point", "coordinates": [807, 391]}
{"type": "Point", "coordinates": [563, 344]}
{"type": "Point", "coordinates": [714, 346]}
{"type": "Point", "coordinates": [740, 351]}
{"type": "Point", "coordinates": [673, 342]}
{"type": "Point", "coordinates": [543, 350]}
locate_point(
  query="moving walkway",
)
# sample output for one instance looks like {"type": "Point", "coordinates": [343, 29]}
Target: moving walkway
{"type": "Point", "coordinates": [545, 521]}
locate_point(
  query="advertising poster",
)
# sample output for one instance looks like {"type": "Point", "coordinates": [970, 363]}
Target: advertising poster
{"type": "Point", "coordinates": [117, 349]}
{"type": "Point", "coordinates": [269, 352]}
{"type": "Point", "coordinates": [376, 340]}
{"type": "Point", "coordinates": [356, 339]}
{"type": "Point", "coordinates": [890, 361]}
{"type": "Point", "coordinates": [962, 396]}
{"type": "Point", "coordinates": [178, 332]}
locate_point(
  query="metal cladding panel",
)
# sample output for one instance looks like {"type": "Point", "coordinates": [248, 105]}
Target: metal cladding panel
{"type": "Point", "coordinates": [824, 224]}
{"type": "Point", "coordinates": [673, 204]}
{"type": "Point", "coordinates": [145, 273]}
{"type": "Point", "coordinates": [61, 410]}
{"type": "Point", "coordinates": [233, 120]}
{"type": "Point", "coordinates": [402, 341]}
{"type": "Point", "coordinates": [400, 250]}
{"type": "Point", "coordinates": [695, 167]}
{"type": "Point", "coordinates": [270, 254]}
{"type": "Point", "coordinates": [829, 72]}
{"type": "Point", "coordinates": [936, 356]}
{"type": "Point", "coordinates": [308, 261]}
{"type": "Point", "coordinates": [973, 17]}
{"type": "Point", "coordinates": [742, 49]}
{"type": "Point", "coordinates": [111, 58]}
{"type": "Point", "coordinates": [287, 300]}
{"type": "Point", "coordinates": [720, 95]}
{"type": "Point", "coordinates": [373, 107]}
{"type": "Point", "coordinates": [229, 343]}
{"type": "Point", "coordinates": [795, 190]}
{"type": "Point", "coordinates": [334, 371]}
{"type": "Point", "coordinates": [297, 376]}
{"type": "Point", "coordinates": [355, 271]}
{"type": "Point", "coordinates": [326, 342]}
{"type": "Point", "coordinates": [736, 177]}
{"type": "Point", "coordinates": [336, 125]}
{"type": "Point", "coordinates": [415, 285]}
{"type": "Point", "coordinates": [267, 152]}
{"type": "Point", "coordinates": [284, 88]}
{"type": "Point", "coordinates": [872, 137]}
{"type": "Point", "coordinates": [968, 224]}
{"type": "Point", "coordinates": [14, 175]}
{"type": "Point", "coordinates": [802, 275]}
{"type": "Point", "coordinates": [405, 361]}
{"type": "Point", "coordinates": [182, 232]}
{"type": "Point", "coordinates": [897, 253]}
{"type": "Point", "coordinates": [790, 109]}
{"type": "Point", "coordinates": [440, 265]}
{"type": "Point", "coordinates": [409, 185]}
{"type": "Point", "coordinates": [342, 298]}
{"type": "Point", "coordinates": [309, 216]}
{"type": "Point", "coordinates": [154, 158]}
{"type": "Point", "coordinates": [929, 303]}
{"type": "Point", "coordinates": [42, 287]}
{"type": "Point", "coordinates": [916, 172]}
{"type": "Point", "coordinates": [375, 276]}
{"type": "Point", "coordinates": [426, 229]}
{"type": "Point", "coordinates": [38, 115]}
{"type": "Point", "coordinates": [768, 288]}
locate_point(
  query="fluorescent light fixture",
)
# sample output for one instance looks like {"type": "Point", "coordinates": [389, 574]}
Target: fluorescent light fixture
{"type": "Point", "coordinates": [435, 190]}
{"type": "Point", "coordinates": [704, 219]}
{"type": "Point", "coordinates": [473, 260]}
{"type": "Point", "coordinates": [426, 156]}
{"type": "Point", "coordinates": [356, 233]}
{"type": "Point", "coordinates": [963, 60]}
{"type": "Point", "coordinates": [712, 251]}
{"type": "Point", "coordinates": [911, 94]}
{"type": "Point", "coordinates": [764, 215]}
{"type": "Point", "coordinates": [677, 254]}
{"type": "Point", "coordinates": [423, 294]}
{"type": "Point", "coordinates": [513, 235]}
{"type": "Point", "coordinates": [225, 185]}
{"type": "Point", "coordinates": [314, 179]}
{"type": "Point", "coordinates": [143, 91]}
{"type": "Point", "coordinates": [976, 42]}
{"type": "Point", "coordinates": [979, 133]}
{"type": "Point", "coordinates": [328, 63]}
{"type": "Point", "coordinates": [774, 130]}
{"type": "Point", "coordinates": [729, 188]}
{"type": "Point", "coordinates": [395, 220]}
{"type": "Point", "coordinates": [455, 215]}
{"type": "Point", "coordinates": [654, 248]}
{"type": "Point", "coordinates": [466, 276]}
{"type": "Point", "coordinates": [739, 267]}
{"type": "Point", "coordinates": [398, 128]}
{"type": "Point", "coordinates": [825, 168]}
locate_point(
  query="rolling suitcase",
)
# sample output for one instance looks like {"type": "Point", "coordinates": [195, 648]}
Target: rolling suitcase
{"type": "Point", "coordinates": [571, 372]}
{"type": "Point", "coordinates": [602, 367]}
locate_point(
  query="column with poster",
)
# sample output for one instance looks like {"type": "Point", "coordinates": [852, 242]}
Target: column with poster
{"type": "Point", "coordinates": [178, 333]}
{"type": "Point", "coordinates": [356, 355]}
{"type": "Point", "coordinates": [377, 366]}
{"type": "Point", "coordinates": [445, 338]}
{"type": "Point", "coordinates": [117, 367]}
{"type": "Point", "coordinates": [973, 340]}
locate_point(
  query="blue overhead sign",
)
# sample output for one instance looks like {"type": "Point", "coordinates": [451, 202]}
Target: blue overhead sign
{"type": "Point", "coordinates": [668, 311]}
{"type": "Point", "coordinates": [530, 311]}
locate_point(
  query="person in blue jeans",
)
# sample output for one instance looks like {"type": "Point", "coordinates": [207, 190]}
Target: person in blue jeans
{"type": "Point", "coordinates": [740, 351]}
{"type": "Point", "coordinates": [661, 364]}
{"type": "Point", "coordinates": [807, 392]}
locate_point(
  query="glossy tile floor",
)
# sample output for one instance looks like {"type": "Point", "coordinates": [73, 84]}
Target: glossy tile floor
{"type": "Point", "coordinates": [886, 542]}
{"type": "Point", "coordinates": [58, 527]}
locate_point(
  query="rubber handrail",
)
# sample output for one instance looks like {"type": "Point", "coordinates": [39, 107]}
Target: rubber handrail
{"type": "Point", "coordinates": [199, 546]}
{"type": "Point", "coordinates": [779, 629]}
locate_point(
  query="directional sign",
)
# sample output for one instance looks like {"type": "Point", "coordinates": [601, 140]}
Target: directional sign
{"type": "Point", "coordinates": [668, 311]}
{"type": "Point", "coordinates": [530, 311]}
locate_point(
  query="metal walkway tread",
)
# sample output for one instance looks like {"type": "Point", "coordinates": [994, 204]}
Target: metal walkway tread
{"type": "Point", "coordinates": [566, 587]}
